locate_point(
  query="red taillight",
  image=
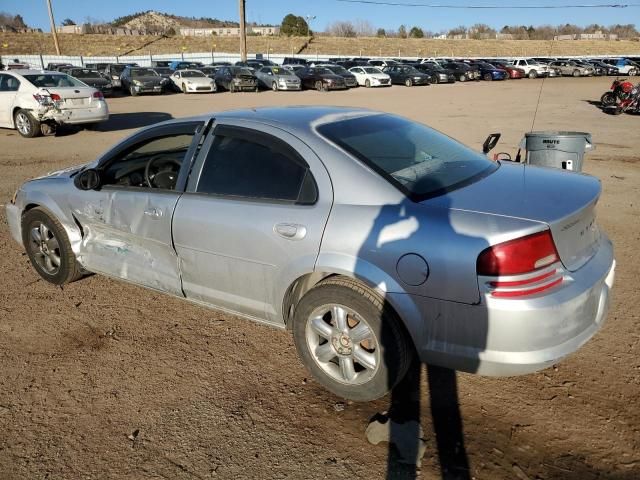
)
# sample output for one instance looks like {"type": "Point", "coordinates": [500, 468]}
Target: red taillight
{"type": "Point", "coordinates": [522, 255]}
{"type": "Point", "coordinates": [98, 95]}
{"type": "Point", "coordinates": [55, 97]}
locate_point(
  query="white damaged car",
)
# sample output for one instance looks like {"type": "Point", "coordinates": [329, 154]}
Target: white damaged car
{"type": "Point", "coordinates": [371, 76]}
{"type": "Point", "coordinates": [192, 81]}
{"type": "Point", "coordinates": [35, 102]}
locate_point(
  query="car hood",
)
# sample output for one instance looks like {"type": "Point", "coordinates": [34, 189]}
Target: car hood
{"type": "Point", "coordinates": [145, 79]}
{"type": "Point", "coordinates": [328, 76]}
{"type": "Point", "coordinates": [198, 80]}
{"type": "Point", "coordinates": [95, 81]}
{"type": "Point", "coordinates": [565, 201]}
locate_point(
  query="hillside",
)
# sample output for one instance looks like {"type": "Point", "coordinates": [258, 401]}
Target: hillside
{"type": "Point", "coordinates": [88, 45]}
{"type": "Point", "coordinates": [161, 22]}
{"type": "Point", "coordinates": [414, 47]}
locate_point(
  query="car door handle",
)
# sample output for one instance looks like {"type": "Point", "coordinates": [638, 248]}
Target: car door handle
{"type": "Point", "coordinates": [291, 231]}
{"type": "Point", "coordinates": [153, 212]}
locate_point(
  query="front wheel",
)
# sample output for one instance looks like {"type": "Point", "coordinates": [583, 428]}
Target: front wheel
{"type": "Point", "coordinates": [408, 83]}
{"type": "Point", "coordinates": [462, 78]}
{"type": "Point", "coordinates": [608, 99]}
{"type": "Point", "coordinates": [48, 247]}
{"type": "Point", "coordinates": [488, 77]}
{"type": "Point", "coordinates": [26, 125]}
{"type": "Point", "coordinates": [132, 91]}
{"type": "Point", "coordinates": [533, 74]}
{"type": "Point", "coordinates": [274, 86]}
{"type": "Point", "coordinates": [350, 340]}
{"type": "Point", "coordinates": [367, 83]}
{"type": "Point", "coordinates": [576, 73]}
{"type": "Point", "coordinates": [318, 86]}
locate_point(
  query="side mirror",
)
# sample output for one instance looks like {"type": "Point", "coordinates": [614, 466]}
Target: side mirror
{"type": "Point", "coordinates": [88, 179]}
{"type": "Point", "coordinates": [490, 142]}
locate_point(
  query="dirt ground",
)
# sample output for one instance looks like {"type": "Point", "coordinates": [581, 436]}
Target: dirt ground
{"type": "Point", "coordinates": [102, 379]}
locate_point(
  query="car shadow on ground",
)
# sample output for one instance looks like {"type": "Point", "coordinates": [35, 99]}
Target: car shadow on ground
{"type": "Point", "coordinates": [117, 122]}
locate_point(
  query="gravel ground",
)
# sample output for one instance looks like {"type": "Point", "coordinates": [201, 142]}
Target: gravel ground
{"type": "Point", "coordinates": [103, 379]}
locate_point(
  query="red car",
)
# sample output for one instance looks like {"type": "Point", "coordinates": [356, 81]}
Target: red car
{"type": "Point", "coordinates": [514, 72]}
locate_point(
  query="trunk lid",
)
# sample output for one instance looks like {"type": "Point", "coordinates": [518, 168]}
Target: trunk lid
{"type": "Point", "coordinates": [565, 201]}
{"type": "Point", "coordinates": [73, 97]}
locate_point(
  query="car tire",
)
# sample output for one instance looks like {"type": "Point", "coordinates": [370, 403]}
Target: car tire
{"type": "Point", "coordinates": [257, 89]}
{"type": "Point", "coordinates": [488, 77]}
{"type": "Point", "coordinates": [533, 74]}
{"type": "Point", "coordinates": [318, 86]}
{"type": "Point", "coordinates": [132, 91]}
{"type": "Point", "coordinates": [385, 345]}
{"type": "Point", "coordinates": [46, 243]}
{"type": "Point", "coordinates": [232, 87]}
{"type": "Point", "coordinates": [462, 78]}
{"type": "Point", "coordinates": [576, 73]}
{"type": "Point", "coordinates": [27, 126]}
{"type": "Point", "coordinates": [408, 82]}
{"type": "Point", "coordinates": [367, 83]}
{"type": "Point", "coordinates": [274, 86]}
{"type": "Point", "coordinates": [633, 72]}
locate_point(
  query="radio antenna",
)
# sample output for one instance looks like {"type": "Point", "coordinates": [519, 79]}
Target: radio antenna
{"type": "Point", "coordinates": [535, 113]}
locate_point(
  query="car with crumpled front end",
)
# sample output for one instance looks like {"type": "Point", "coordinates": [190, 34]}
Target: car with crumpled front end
{"type": "Point", "coordinates": [36, 102]}
{"type": "Point", "coordinates": [373, 239]}
{"type": "Point", "coordinates": [140, 80]}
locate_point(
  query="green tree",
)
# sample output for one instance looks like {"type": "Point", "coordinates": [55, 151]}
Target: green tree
{"type": "Point", "coordinates": [402, 31]}
{"type": "Point", "coordinates": [381, 33]}
{"type": "Point", "coordinates": [416, 32]}
{"type": "Point", "coordinates": [294, 26]}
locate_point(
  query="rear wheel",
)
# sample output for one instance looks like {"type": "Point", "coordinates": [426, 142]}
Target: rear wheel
{"type": "Point", "coordinates": [633, 72]}
{"type": "Point", "coordinates": [26, 125]}
{"type": "Point", "coordinates": [408, 82]}
{"type": "Point", "coordinates": [350, 340]}
{"type": "Point", "coordinates": [132, 91]}
{"type": "Point", "coordinates": [48, 247]}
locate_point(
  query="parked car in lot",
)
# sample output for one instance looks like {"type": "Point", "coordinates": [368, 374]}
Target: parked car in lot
{"type": "Point", "coordinates": [624, 66]}
{"type": "Point", "coordinates": [371, 77]}
{"type": "Point", "coordinates": [100, 67]}
{"type": "Point", "coordinates": [571, 68]}
{"type": "Point", "coordinates": [406, 75]}
{"type": "Point", "coordinates": [184, 64]}
{"type": "Point", "coordinates": [92, 78]}
{"type": "Point", "coordinates": [139, 80]}
{"type": "Point", "coordinates": [513, 71]}
{"type": "Point", "coordinates": [606, 68]}
{"type": "Point", "coordinates": [161, 64]}
{"type": "Point", "coordinates": [209, 71]}
{"type": "Point", "coordinates": [489, 72]}
{"type": "Point", "coordinates": [321, 79]}
{"type": "Point", "coordinates": [436, 73]}
{"type": "Point", "coordinates": [236, 79]}
{"type": "Point", "coordinates": [37, 101]}
{"type": "Point", "coordinates": [321, 220]}
{"type": "Point", "coordinates": [113, 72]}
{"type": "Point", "coordinates": [278, 78]}
{"type": "Point", "coordinates": [294, 68]}
{"type": "Point", "coordinates": [193, 81]}
{"type": "Point", "coordinates": [532, 68]}
{"type": "Point", "coordinates": [462, 71]}
{"type": "Point", "coordinates": [55, 67]}
{"type": "Point", "coordinates": [164, 72]}
{"type": "Point", "coordinates": [294, 61]}
{"type": "Point", "coordinates": [349, 78]}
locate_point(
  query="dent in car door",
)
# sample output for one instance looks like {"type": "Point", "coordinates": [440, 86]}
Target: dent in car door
{"type": "Point", "coordinates": [242, 254]}
{"type": "Point", "coordinates": [126, 231]}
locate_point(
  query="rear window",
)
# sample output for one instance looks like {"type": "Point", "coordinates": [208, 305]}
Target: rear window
{"type": "Point", "coordinates": [418, 160]}
{"type": "Point", "coordinates": [53, 80]}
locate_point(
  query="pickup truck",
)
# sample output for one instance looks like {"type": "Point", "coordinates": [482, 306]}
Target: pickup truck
{"type": "Point", "coordinates": [531, 67]}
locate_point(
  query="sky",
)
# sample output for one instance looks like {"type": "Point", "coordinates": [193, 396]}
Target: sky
{"type": "Point", "coordinates": [328, 11]}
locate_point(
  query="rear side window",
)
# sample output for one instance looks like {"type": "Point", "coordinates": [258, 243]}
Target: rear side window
{"type": "Point", "coordinates": [255, 166]}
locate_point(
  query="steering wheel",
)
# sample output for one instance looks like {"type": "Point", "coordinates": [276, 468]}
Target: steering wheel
{"type": "Point", "coordinates": [149, 175]}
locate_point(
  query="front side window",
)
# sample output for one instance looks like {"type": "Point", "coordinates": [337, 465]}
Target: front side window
{"type": "Point", "coordinates": [255, 168]}
{"type": "Point", "coordinates": [152, 163]}
{"type": "Point", "coordinates": [418, 160]}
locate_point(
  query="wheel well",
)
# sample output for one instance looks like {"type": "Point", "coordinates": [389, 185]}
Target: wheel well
{"type": "Point", "coordinates": [29, 207]}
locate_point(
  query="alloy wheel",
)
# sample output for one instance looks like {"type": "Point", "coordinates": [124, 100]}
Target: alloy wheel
{"type": "Point", "coordinates": [343, 344]}
{"type": "Point", "coordinates": [45, 248]}
{"type": "Point", "coordinates": [23, 124]}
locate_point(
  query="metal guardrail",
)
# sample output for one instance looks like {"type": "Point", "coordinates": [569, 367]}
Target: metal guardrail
{"type": "Point", "coordinates": [41, 61]}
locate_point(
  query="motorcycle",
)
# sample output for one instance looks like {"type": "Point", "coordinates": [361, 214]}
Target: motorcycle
{"type": "Point", "coordinates": [620, 89]}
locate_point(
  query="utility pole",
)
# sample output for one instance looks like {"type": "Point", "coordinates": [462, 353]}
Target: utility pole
{"type": "Point", "coordinates": [243, 33]}
{"type": "Point", "coordinates": [53, 28]}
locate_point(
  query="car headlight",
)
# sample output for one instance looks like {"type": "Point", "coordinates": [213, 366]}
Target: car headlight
{"type": "Point", "coordinates": [329, 80]}
{"type": "Point", "coordinates": [114, 77]}
{"type": "Point", "coordinates": [137, 82]}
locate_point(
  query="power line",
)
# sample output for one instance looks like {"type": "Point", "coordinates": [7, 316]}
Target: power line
{"type": "Point", "coordinates": [493, 7]}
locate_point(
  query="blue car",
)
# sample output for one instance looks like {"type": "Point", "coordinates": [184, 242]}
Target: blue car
{"type": "Point", "coordinates": [491, 72]}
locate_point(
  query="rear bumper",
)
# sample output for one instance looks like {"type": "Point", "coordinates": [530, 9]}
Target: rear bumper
{"type": "Point", "coordinates": [99, 113]}
{"type": "Point", "coordinates": [504, 337]}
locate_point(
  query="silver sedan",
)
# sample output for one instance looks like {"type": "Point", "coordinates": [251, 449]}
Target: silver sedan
{"type": "Point", "coordinates": [370, 237]}
{"type": "Point", "coordinates": [277, 78]}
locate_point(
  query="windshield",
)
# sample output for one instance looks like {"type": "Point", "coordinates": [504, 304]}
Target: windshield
{"type": "Point", "coordinates": [531, 61]}
{"type": "Point", "coordinates": [371, 70]}
{"type": "Point", "coordinates": [208, 70]}
{"type": "Point", "coordinates": [143, 72]}
{"type": "Point", "coordinates": [162, 70]}
{"type": "Point", "coordinates": [241, 71]}
{"type": "Point", "coordinates": [53, 80]}
{"type": "Point", "coordinates": [418, 160]}
{"type": "Point", "coordinates": [338, 69]}
{"type": "Point", "coordinates": [192, 74]}
{"type": "Point", "coordinates": [117, 68]}
{"type": "Point", "coordinates": [281, 71]}
{"type": "Point", "coordinates": [321, 71]}
{"type": "Point", "coordinates": [79, 73]}
{"type": "Point", "coordinates": [410, 70]}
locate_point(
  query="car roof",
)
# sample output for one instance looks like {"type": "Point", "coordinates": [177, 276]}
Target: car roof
{"type": "Point", "coordinates": [32, 71]}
